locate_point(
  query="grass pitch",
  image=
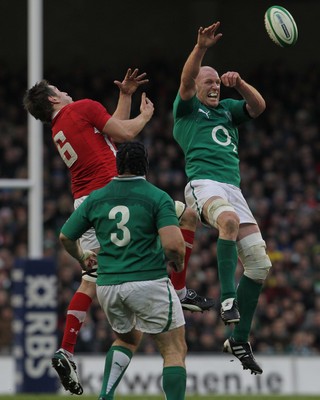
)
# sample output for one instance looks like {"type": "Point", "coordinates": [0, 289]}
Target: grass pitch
{"type": "Point", "coordinates": [213, 397]}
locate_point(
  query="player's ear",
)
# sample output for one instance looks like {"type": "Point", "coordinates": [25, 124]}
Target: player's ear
{"type": "Point", "coordinates": [54, 99]}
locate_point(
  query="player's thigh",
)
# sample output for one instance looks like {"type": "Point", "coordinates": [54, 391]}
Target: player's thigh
{"type": "Point", "coordinates": [88, 240]}
{"type": "Point", "coordinates": [88, 288]}
{"type": "Point", "coordinates": [241, 206]}
{"type": "Point", "coordinates": [199, 191]}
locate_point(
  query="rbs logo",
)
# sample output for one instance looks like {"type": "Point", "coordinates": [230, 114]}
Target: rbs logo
{"type": "Point", "coordinates": [40, 324]}
{"type": "Point", "coordinates": [35, 308]}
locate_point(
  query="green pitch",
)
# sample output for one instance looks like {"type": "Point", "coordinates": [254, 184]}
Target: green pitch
{"type": "Point", "coordinates": [213, 397]}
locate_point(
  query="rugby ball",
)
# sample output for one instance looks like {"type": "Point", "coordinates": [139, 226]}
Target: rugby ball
{"type": "Point", "coordinates": [281, 26]}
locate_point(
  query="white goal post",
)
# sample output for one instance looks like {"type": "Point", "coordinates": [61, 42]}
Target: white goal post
{"type": "Point", "coordinates": [34, 184]}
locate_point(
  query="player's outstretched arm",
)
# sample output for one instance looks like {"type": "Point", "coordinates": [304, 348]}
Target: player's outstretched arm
{"type": "Point", "coordinates": [207, 37]}
{"type": "Point", "coordinates": [126, 130]}
{"type": "Point", "coordinates": [131, 82]}
{"type": "Point", "coordinates": [255, 102]}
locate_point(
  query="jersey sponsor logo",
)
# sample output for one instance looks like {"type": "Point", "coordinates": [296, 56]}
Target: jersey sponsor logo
{"type": "Point", "coordinates": [207, 113]}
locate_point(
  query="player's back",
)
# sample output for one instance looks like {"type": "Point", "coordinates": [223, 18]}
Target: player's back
{"type": "Point", "coordinates": [88, 154]}
{"type": "Point", "coordinates": [126, 215]}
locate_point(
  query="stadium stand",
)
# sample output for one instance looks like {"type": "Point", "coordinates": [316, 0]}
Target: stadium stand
{"type": "Point", "coordinates": [280, 153]}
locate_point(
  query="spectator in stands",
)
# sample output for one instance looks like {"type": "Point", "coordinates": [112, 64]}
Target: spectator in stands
{"type": "Point", "coordinates": [270, 153]}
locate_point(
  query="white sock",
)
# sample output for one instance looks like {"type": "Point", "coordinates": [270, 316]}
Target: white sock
{"type": "Point", "coordinates": [182, 293]}
{"type": "Point", "coordinates": [70, 355]}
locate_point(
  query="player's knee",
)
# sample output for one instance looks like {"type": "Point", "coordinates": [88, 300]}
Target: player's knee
{"type": "Point", "coordinates": [219, 206]}
{"type": "Point", "coordinates": [229, 223]}
{"type": "Point", "coordinates": [255, 261]}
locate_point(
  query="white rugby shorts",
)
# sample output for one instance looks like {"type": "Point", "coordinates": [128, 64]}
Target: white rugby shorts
{"type": "Point", "coordinates": [88, 241]}
{"type": "Point", "coordinates": [197, 192]}
{"type": "Point", "coordinates": [148, 306]}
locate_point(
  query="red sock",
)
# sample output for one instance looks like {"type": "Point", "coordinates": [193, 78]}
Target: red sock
{"type": "Point", "coordinates": [76, 314]}
{"type": "Point", "coordinates": [178, 279]}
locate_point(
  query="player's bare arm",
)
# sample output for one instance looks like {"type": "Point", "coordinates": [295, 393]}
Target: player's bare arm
{"type": "Point", "coordinates": [87, 258]}
{"type": "Point", "coordinates": [207, 37]}
{"type": "Point", "coordinates": [126, 130]}
{"type": "Point", "coordinates": [174, 246]}
{"type": "Point", "coordinates": [131, 82]}
{"type": "Point", "coordinates": [255, 102]}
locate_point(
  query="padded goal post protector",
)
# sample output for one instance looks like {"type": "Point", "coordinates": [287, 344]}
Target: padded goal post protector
{"type": "Point", "coordinates": [34, 301]}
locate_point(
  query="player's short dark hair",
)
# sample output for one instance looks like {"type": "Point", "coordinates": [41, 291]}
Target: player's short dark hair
{"type": "Point", "coordinates": [37, 103]}
{"type": "Point", "coordinates": [132, 158]}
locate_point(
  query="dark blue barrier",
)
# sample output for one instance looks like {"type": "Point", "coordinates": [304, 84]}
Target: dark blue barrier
{"type": "Point", "coordinates": [34, 299]}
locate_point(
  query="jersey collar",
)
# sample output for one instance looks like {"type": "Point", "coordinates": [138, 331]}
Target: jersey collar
{"type": "Point", "coordinates": [128, 178]}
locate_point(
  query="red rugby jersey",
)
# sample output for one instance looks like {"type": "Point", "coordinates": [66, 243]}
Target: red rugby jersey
{"type": "Point", "coordinates": [90, 155]}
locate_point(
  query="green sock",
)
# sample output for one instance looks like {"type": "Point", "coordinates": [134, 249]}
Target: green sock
{"type": "Point", "coordinates": [247, 296]}
{"type": "Point", "coordinates": [174, 380]}
{"type": "Point", "coordinates": [227, 254]}
{"type": "Point", "coordinates": [117, 360]}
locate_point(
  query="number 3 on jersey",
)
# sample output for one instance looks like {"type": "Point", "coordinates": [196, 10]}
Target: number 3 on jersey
{"type": "Point", "coordinates": [65, 149]}
{"type": "Point", "coordinates": [125, 215]}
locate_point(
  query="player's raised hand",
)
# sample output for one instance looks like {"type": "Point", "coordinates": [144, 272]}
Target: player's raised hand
{"type": "Point", "coordinates": [131, 81]}
{"type": "Point", "coordinates": [208, 36]}
{"type": "Point", "coordinates": [231, 79]}
{"type": "Point", "coordinates": [146, 106]}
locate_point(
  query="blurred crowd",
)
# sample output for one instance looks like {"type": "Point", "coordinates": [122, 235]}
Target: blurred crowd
{"type": "Point", "coordinates": [280, 167]}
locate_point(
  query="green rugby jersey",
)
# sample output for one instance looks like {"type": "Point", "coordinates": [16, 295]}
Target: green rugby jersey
{"type": "Point", "coordinates": [209, 138]}
{"type": "Point", "coordinates": [126, 215]}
